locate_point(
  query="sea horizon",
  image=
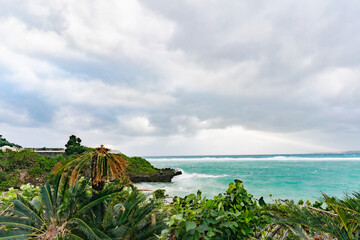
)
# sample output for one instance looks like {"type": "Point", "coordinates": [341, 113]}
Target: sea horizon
{"type": "Point", "coordinates": [276, 157]}
{"type": "Point", "coordinates": [354, 152]}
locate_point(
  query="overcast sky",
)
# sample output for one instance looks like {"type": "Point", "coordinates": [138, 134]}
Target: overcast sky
{"type": "Point", "coordinates": [159, 77]}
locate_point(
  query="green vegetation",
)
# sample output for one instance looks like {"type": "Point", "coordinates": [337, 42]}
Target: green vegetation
{"type": "Point", "coordinates": [138, 165]}
{"type": "Point", "coordinates": [340, 219]}
{"type": "Point", "coordinates": [85, 200]}
{"type": "Point", "coordinates": [63, 212]}
{"type": "Point", "coordinates": [233, 215]}
{"type": "Point", "coordinates": [24, 166]}
{"type": "Point", "coordinates": [103, 166]}
{"type": "Point", "coordinates": [4, 142]}
{"type": "Point", "coordinates": [73, 146]}
{"type": "Point", "coordinates": [160, 194]}
{"type": "Point", "coordinates": [27, 191]}
{"type": "Point", "coordinates": [78, 212]}
{"type": "Point", "coordinates": [71, 208]}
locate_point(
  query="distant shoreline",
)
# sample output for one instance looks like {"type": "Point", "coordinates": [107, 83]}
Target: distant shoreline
{"type": "Point", "coordinates": [255, 155]}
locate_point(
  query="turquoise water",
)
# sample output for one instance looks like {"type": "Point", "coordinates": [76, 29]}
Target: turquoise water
{"type": "Point", "coordinates": [284, 176]}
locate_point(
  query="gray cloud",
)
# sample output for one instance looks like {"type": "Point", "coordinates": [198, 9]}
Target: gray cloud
{"type": "Point", "coordinates": [155, 71]}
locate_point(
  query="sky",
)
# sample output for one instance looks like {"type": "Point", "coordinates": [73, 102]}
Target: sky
{"type": "Point", "coordinates": [190, 77]}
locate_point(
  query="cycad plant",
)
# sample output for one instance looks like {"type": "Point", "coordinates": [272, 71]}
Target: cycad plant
{"type": "Point", "coordinates": [60, 213]}
{"type": "Point", "coordinates": [103, 165]}
{"type": "Point", "coordinates": [73, 213]}
{"type": "Point", "coordinates": [342, 222]}
{"type": "Point", "coordinates": [131, 219]}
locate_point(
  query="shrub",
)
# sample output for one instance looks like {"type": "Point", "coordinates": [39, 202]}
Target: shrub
{"type": "Point", "coordinates": [28, 192]}
{"type": "Point", "coordinates": [233, 215]}
{"type": "Point", "coordinates": [159, 194]}
{"type": "Point", "coordinates": [138, 165]}
{"type": "Point", "coordinates": [13, 163]}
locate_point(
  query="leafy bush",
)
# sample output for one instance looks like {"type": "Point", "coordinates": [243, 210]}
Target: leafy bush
{"type": "Point", "coordinates": [44, 165]}
{"type": "Point", "coordinates": [4, 142]}
{"type": "Point", "coordinates": [7, 180]}
{"type": "Point", "coordinates": [160, 194]}
{"type": "Point", "coordinates": [138, 165]}
{"type": "Point", "coordinates": [23, 159]}
{"type": "Point", "coordinates": [28, 192]}
{"type": "Point", "coordinates": [13, 163]}
{"type": "Point", "coordinates": [233, 215]}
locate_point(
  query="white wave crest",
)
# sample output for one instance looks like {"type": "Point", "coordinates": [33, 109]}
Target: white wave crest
{"type": "Point", "coordinates": [242, 159]}
{"type": "Point", "coordinates": [185, 175]}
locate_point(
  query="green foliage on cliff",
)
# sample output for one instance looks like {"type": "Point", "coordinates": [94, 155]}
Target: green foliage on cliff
{"type": "Point", "coordinates": [4, 142]}
{"type": "Point", "coordinates": [138, 165]}
{"type": "Point", "coordinates": [18, 168]}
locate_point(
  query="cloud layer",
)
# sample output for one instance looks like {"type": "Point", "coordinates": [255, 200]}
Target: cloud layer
{"type": "Point", "coordinates": [186, 77]}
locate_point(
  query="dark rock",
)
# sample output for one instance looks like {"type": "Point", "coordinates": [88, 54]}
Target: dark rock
{"type": "Point", "coordinates": [163, 175]}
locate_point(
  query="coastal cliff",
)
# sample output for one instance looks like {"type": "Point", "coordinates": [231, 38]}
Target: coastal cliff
{"type": "Point", "coordinates": [162, 175]}
{"type": "Point", "coordinates": [26, 166]}
{"type": "Point", "coordinates": [140, 170]}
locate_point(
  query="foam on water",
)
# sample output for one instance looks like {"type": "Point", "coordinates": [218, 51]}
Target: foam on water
{"type": "Point", "coordinates": [283, 176]}
{"type": "Point", "coordinates": [187, 183]}
{"type": "Point", "coordinates": [274, 158]}
{"type": "Point", "coordinates": [186, 175]}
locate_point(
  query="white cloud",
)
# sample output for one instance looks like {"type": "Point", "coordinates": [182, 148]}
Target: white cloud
{"type": "Point", "coordinates": [334, 83]}
{"type": "Point", "coordinates": [9, 113]}
{"type": "Point", "coordinates": [29, 40]}
{"type": "Point", "coordinates": [116, 28]}
{"type": "Point", "coordinates": [57, 86]}
{"type": "Point", "coordinates": [136, 125]}
{"type": "Point", "coordinates": [191, 124]}
{"type": "Point", "coordinates": [231, 140]}
{"type": "Point", "coordinates": [71, 119]}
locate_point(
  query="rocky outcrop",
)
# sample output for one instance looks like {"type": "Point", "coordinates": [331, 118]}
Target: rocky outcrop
{"type": "Point", "coordinates": [163, 175]}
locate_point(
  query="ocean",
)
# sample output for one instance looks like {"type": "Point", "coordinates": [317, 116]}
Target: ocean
{"type": "Point", "coordinates": [285, 176]}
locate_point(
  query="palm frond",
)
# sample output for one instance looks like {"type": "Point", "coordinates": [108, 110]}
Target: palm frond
{"type": "Point", "coordinates": [97, 199]}
{"type": "Point", "coordinates": [104, 167]}
{"type": "Point", "coordinates": [15, 235]}
{"type": "Point", "coordinates": [21, 223]}
{"type": "Point", "coordinates": [47, 199]}
{"type": "Point", "coordinates": [117, 166]}
{"type": "Point", "coordinates": [87, 230]}
{"type": "Point", "coordinates": [292, 215]}
{"type": "Point", "coordinates": [131, 219]}
{"type": "Point", "coordinates": [23, 208]}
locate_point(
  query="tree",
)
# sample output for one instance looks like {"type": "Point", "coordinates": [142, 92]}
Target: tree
{"type": "Point", "coordinates": [4, 142]}
{"type": "Point", "coordinates": [73, 146]}
{"type": "Point", "coordinates": [103, 165]}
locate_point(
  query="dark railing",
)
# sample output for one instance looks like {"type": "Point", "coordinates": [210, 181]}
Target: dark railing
{"type": "Point", "coordinates": [47, 149]}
